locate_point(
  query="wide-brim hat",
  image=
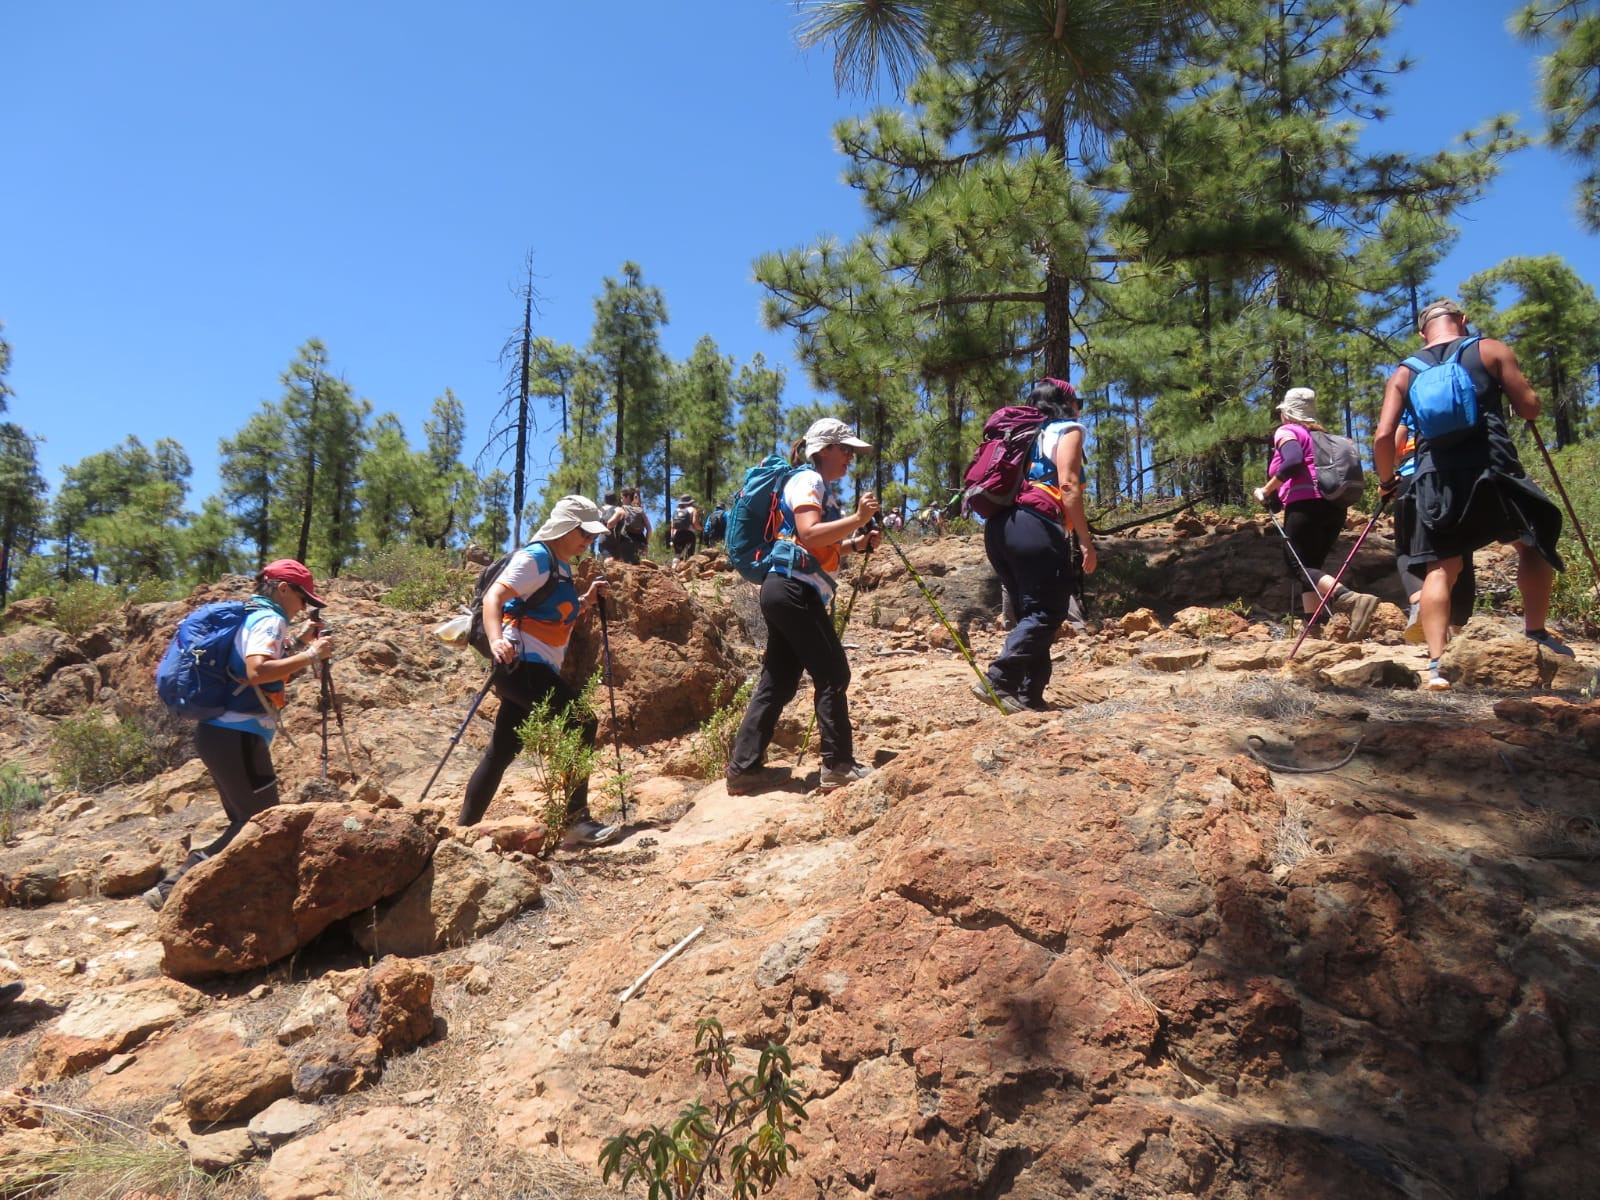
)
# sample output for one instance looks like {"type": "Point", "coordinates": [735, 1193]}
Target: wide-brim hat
{"type": "Point", "coordinates": [569, 513]}
{"type": "Point", "coordinates": [293, 571]}
{"type": "Point", "coordinates": [830, 431]}
{"type": "Point", "coordinates": [1299, 404]}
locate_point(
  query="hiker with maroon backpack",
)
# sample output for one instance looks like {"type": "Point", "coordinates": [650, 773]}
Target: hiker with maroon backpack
{"type": "Point", "coordinates": [1312, 522]}
{"type": "Point", "coordinates": [235, 744]}
{"type": "Point", "coordinates": [1026, 539]}
{"type": "Point", "coordinates": [799, 582]}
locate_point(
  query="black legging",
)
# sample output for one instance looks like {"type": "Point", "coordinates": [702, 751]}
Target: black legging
{"type": "Point", "coordinates": [241, 767]}
{"type": "Point", "coordinates": [520, 687]}
{"type": "Point", "coordinates": [800, 638]}
{"type": "Point", "coordinates": [1033, 559]}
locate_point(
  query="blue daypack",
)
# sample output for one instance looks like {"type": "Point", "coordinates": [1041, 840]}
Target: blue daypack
{"type": "Point", "coordinates": [192, 678]}
{"type": "Point", "coordinates": [754, 521]}
{"type": "Point", "coordinates": [1442, 402]}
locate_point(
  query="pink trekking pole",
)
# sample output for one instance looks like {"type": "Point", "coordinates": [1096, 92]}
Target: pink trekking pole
{"type": "Point", "coordinates": [1326, 596]}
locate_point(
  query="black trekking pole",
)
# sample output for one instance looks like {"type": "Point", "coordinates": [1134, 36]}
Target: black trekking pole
{"type": "Point", "coordinates": [331, 699]}
{"type": "Point", "coordinates": [1549, 462]}
{"type": "Point", "coordinates": [1383, 502]}
{"type": "Point", "coordinates": [945, 621]}
{"type": "Point", "coordinates": [611, 691]}
{"type": "Point", "coordinates": [1284, 533]}
{"type": "Point", "coordinates": [456, 737]}
{"type": "Point", "coordinates": [323, 704]}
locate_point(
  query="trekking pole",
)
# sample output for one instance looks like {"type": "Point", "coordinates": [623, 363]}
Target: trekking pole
{"type": "Point", "coordinates": [1383, 502]}
{"type": "Point", "coordinates": [1549, 462]}
{"type": "Point", "coordinates": [1297, 562]}
{"type": "Point", "coordinates": [456, 737]}
{"type": "Point", "coordinates": [323, 704]}
{"type": "Point", "coordinates": [338, 718]}
{"type": "Point", "coordinates": [943, 620]}
{"type": "Point", "coordinates": [616, 728]}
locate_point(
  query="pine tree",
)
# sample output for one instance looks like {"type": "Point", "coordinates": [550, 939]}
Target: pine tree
{"type": "Point", "coordinates": [701, 412]}
{"type": "Point", "coordinates": [1553, 317]}
{"type": "Point", "coordinates": [625, 347]}
{"type": "Point", "coordinates": [1569, 79]}
{"type": "Point", "coordinates": [448, 491]}
{"type": "Point", "coordinates": [22, 497]}
{"type": "Point", "coordinates": [252, 469]}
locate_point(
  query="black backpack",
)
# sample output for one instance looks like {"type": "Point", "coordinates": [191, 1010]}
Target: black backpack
{"type": "Point", "coordinates": [477, 638]}
{"type": "Point", "coordinates": [716, 525]}
{"type": "Point", "coordinates": [683, 518]}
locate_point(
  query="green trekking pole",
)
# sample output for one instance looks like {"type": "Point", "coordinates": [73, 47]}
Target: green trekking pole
{"type": "Point", "coordinates": [943, 620]}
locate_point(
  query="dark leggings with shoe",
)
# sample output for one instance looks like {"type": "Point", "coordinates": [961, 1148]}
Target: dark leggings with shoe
{"type": "Point", "coordinates": [241, 767]}
{"type": "Point", "coordinates": [800, 638]}
{"type": "Point", "coordinates": [1033, 558]}
{"type": "Point", "coordinates": [521, 686]}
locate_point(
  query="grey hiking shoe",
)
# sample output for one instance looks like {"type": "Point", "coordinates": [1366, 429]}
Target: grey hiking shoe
{"type": "Point", "coordinates": [838, 777]}
{"type": "Point", "coordinates": [1436, 682]}
{"type": "Point", "coordinates": [1008, 703]}
{"type": "Point", "coordinates": [586, 831]}
{"type": "Point", "coordinates": [157, 896]}
{"type": "Point", "coordinates": [1549, 641]}
{"type": "Point", "coordinates": [1361, 614]}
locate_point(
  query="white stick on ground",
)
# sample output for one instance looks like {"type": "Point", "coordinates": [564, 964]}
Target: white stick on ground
{"type": "Point", "coordinates": [659, 963]}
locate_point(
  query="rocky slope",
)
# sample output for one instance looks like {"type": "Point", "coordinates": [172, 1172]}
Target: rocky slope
{"type": "Point", "coordinates": [1212, 927]}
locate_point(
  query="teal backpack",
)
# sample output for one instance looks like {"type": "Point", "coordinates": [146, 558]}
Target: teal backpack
{"type": "Point", "coordinates": [754, 520]}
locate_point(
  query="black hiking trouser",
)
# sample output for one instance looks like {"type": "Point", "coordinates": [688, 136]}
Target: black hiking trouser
{"type": "Point", "coordinates": [521, 686]}
{"type": "Point", "coordinates": [800, 639]}
{"type": "Point", "coordinates": [241, 768]}
{"type": "Point", "coordinates": [1033, 558]}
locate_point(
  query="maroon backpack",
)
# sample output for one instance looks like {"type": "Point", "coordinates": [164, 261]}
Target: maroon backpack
{"type": "Point", "coordinates": [1000, 465]}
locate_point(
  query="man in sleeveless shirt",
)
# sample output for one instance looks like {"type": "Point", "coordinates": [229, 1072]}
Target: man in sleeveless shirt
{"type": "Point", "coordinates": [1475, 492]}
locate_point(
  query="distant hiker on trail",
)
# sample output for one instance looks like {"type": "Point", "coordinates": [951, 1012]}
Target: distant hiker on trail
{"type": "Point", "coordinates": [1469, 489]}
{"type": "Point", "coordinates": [610, 508]}
{"type": "Point", "coordinates": [716, 526]}
{"type": "Point", "coordinates": [1312, 523]}
{"type": "Point", "coordinates": [685, 528]}
{"type": "Point", "coordinates": [1028, 548]}
{"type": "Point", "coordinates": [528, 651]}
{"type": "Point", "coordinates": [631, 527]}
{"type": "Point", "coordinates": [235, 745]}
{"type": "Point", "coordinates": [1465, 592]}
{"type": "Point", "coordinates": [794, 604]}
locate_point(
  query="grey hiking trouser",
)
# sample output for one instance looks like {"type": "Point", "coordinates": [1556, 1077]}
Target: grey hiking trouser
{"type": "Point", "coordinates": [241, 767]}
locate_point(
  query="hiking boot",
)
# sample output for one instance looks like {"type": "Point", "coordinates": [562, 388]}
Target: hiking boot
{"type": "Point", "coordinates": [1008, 703]}
{"type": "Point", "coordinates": [1549, 641]}
{"type": "Point", "coordinates": [586, 831]}
{"type": "Point", "coordinates": [1414, 631]}
{"type": "Point", "coordinates": [838, 777]}
{"type": "Point", "coordinates": [1360, 606]}
{"type": "Point", "coordinates": [1436, 682]}
{"type": "Point", "coordinates": [744, 783]}
{"type": "Point", "coordinates": [157, 896]}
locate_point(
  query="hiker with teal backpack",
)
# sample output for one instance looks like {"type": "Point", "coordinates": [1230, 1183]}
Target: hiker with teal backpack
{"type": "Point", "coordinates": [1026, 539]}
{"type": "Point", "coordinates": [234, 741]}
{"type": "Point", "coordinates": [1469, 488]}
{"type": "Point", "coordinates": [1313, 512]}
{"type": "Point", "coordinates": [527, 624]}
{"type": "Point", "coordinates": [797, 564]}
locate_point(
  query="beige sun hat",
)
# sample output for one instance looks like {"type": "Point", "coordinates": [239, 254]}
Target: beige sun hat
{"type": "Point", "coordinates": [1299, 405]}
{"type": "Point", "coordinates": [569, 513]}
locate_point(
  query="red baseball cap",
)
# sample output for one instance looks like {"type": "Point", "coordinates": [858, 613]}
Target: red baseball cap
{"type": "Point", "coordinates": [292, 571]}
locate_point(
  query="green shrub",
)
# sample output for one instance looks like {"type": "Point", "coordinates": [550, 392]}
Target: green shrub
{"type": "Point", "coordinates": [18, 795]}
{"type": "Point", "coordinates": [713, 745]}
{"type": "Point", "coordinates": [560, 759]}
{"type": "Point", "coordinates": [153, 591]}
{"type": "Point", "coordinates": [93, 751]}
{"type": "Point", "coordinates": [702, 1146]}
{"type": "Point", "coordinates": [82, 605]}
{"type": "Point", "coordinates": [1574, 600]}
{"type": "Point", "coordinates": [417, 577]}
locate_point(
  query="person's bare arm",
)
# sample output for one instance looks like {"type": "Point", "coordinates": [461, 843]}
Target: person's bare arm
{"type": "Point", "coordinates": [1500, 360]}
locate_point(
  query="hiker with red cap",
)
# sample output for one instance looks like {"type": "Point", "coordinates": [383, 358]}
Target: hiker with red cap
{"type": "Point", "coordinates": [235, 746]}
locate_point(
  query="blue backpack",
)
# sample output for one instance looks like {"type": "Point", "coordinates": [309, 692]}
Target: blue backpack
{"type": "Point", "coordinates": [192, 678]}
{"type": "Point", "coordinates": [1442, 402]}
{"type": "Point", "coordinates": [754, 521]}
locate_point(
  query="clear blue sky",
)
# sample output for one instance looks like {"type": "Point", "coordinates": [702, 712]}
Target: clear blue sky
{"type": "Point", "coordinates": [193, 189]}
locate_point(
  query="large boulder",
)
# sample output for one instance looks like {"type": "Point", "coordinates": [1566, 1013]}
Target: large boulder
{"type": "Point", "coordinates": [99, 1024]}
{"type": "Point", "coordinates": [292, 872]}
{"type": "Point", "coordinates": [462, 894]}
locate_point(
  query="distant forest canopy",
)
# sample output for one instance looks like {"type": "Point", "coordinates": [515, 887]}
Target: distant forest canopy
{"type": "Point", "coordinates": [1166, 203]}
